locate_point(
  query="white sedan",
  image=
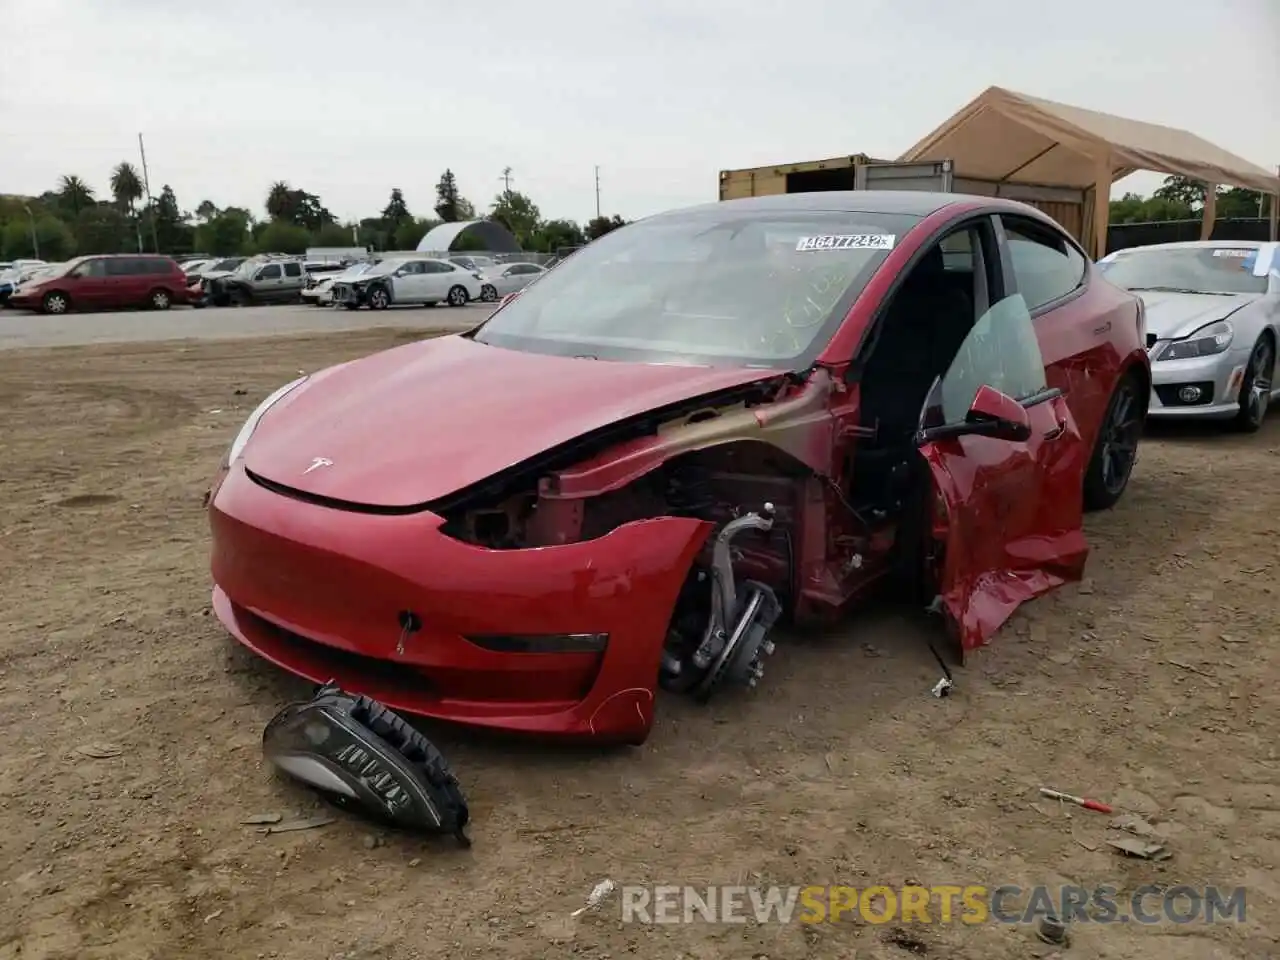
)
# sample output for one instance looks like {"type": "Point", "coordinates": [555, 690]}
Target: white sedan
{"type": "Point", "coordinates": [508, 278]}
{"type": "Point", "coordinates": [421, 280]}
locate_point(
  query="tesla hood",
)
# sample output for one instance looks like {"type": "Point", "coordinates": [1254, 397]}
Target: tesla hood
{"type": "Point", "coordinates": [407, 426]}
{"type": "Point", "coordinates": [1171, 316]}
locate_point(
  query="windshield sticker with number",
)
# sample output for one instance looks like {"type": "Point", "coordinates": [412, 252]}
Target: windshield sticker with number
{"type": "Point", "coordinates": [1234, 252]}
{"type": "Point", "coordinates": [857, 241]}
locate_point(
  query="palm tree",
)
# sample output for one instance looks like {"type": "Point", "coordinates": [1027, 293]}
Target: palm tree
{"type": "Point", "coordinates": [126, 186]}
{"type": "Point", "coordinates": [279, 200]}
{"type": "Point", "coordinates": [74, 193]}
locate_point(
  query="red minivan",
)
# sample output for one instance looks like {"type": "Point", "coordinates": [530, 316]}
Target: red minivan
{"type": "Point", "coordinates": [105, 282]}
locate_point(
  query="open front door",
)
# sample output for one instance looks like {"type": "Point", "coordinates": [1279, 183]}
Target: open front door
{"type": "Point", "coordinates": [1008, 465]}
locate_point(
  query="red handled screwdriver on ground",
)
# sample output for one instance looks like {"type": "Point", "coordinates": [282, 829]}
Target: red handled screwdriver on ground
{"type": "Point", "coordinates": [1085, 802]}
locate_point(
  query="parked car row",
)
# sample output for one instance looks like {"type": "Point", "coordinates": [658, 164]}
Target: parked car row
{"type": "Point", "coordinates": [381, 282]}
{"type": "Point", "coordinates": [147, 280]}
{"type": "Point", "coordinates": [15, 272]}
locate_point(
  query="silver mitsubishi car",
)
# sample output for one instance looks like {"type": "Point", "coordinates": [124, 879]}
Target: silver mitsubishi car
{"type": "Point", "coordinates": [1213, 325]}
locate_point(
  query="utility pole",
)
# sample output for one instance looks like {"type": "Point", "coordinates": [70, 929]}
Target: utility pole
{"type": "Point", "coordinates": [146, 185]}
{"type": "Point", "coordinates": [35, 242]}
{"type": "Point", "coordinates": [597, 193]}
{"type": "Point", "coordinates": [506, 180]}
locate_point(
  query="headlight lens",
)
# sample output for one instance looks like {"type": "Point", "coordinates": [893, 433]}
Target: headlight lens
{"type": "Point", "coordinates": [242, 438]}
{"type": "Point", "coordinates": [1205, 342]}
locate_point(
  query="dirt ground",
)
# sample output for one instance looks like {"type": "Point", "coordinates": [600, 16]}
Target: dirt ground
{"type": "Point", "coordinates": [1153, 686]}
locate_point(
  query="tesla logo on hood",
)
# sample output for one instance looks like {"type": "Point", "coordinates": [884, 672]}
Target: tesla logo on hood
{"type": "Point", "coordinates": [317, 463]}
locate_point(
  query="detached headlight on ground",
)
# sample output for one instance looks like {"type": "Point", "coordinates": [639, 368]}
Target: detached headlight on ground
{"type": "Point", "coordinates": [365, 758]}
{"type": "Point", "coordinates": [1205, 342]}
{"type": "Point", "coordinates": [242, 438]}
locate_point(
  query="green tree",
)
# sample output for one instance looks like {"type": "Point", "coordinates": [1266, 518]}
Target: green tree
{"type": "Point", "coordinates": [279, 200]}
{"type": "Point", "coordinates": [56, 240]}
{"type": "Point", "coordinates": [1230, 203]}
{"type": "Point", "coordinates": [297, 207]}
{"type": "Point", "coordinates": [518, 214]}
{"type": "Point", "coordinates": [126, 186]}
{"type": "Point", "coordinates": [332, 235]}
{"type": "Point", "coordinates": [1237, 203]}
{"type": "Point", "coordinates": [173, 232]}
{"type": "Point", "coordinates": [1133, 208]}
{"type": "Point", "coordinates": [451, 206]}
{"type": "Point", "coordinates": [104, 228]}
{"type": "Point", "coordinates": [1181, 190]}
{"type": "Point", "coordinates": [226, 234]}
{"type": "Point", "coordinates": [376, 233]}
{"type": "Point", "coordinates": [409, 233]}
{"type": "Point", "coordinates": [207, 210]}
{"type": "Point", "coordinates": [74, 194]}
{"type": "Point", "coordinates": [555, 234]}
{"type": "Point", "coordinates": [281, 236]}
{"type": "Point", "coordinates": [396, 211]}
{"type": "Point", "coordinates": [597, 227]}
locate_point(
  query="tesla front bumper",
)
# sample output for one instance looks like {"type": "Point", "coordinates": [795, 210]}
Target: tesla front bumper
{"type": "Point", "coordinates": [326, 593]}
{"type": "Point", "coordinates": [1202, 387]}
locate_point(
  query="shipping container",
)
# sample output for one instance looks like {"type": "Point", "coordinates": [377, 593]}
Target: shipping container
{"type": "Point", "coordinates": [860, 172]}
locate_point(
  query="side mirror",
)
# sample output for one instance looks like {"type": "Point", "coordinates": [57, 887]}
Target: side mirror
{"type": "Point", "coordinates": [996, 415]}
{"type": "Point", "coordinates": [991, 414]}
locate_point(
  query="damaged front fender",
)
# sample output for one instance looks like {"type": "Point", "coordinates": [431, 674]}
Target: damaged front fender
{"type": "Point", "coordinates": [798, 423]}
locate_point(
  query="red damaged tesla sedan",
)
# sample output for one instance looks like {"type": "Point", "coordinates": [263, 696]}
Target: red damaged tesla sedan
{"type": "Point", "coordinates": [699, 425]}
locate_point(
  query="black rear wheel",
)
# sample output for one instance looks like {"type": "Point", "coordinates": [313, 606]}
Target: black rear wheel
{"type": "Point", "coordinates": [1255, 391]}
{"type": "Point", "coordinates": [1116, 449]}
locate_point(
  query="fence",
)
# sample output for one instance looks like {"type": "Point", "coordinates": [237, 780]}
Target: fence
{"type": "Point", "coordinates": [538, 258]}
{"type": "Point", "coordinates": [1121, 236]}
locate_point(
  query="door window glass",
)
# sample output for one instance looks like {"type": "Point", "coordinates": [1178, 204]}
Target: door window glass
{"type": "Point", "coordinates": [1001, 351]}
{"type": "Point", "coordinates": [293, 269]}
{"type": "Point", "coordinates": [1045, 266]}
{"type": "Point", "coordinates": [271, 272]}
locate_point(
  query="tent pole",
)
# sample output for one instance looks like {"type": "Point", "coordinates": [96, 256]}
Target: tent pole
{"type": "Point", "coordinates": [1102, 206]}
{"type": "Point", "coordinates": [1275, 209]}
{"type": "Point", "coordinates": [1210, 213]}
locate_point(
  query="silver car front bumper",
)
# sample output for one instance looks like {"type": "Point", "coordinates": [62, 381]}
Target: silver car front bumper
{"type": "Point", "coordinates": [1218, 378]}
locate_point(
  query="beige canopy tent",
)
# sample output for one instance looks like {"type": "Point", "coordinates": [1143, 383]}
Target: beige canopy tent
{"type": "Point", "coordinates": [1009, 137]}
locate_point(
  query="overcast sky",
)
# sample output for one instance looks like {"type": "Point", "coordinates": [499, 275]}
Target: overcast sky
{"type": "Point", "coordinates": [349, 99]}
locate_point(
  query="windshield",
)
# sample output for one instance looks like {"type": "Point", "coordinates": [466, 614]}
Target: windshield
{"type": "Point", "coordinates": [229, 264]}
{"type": "Point", "coordinates": [354, 271]}
{"type": "Point", "coordinates": [1186, 269]}
{"type": "Point", "coordinates": [720, 288]}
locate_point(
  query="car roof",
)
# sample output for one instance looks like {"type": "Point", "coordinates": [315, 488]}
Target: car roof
{"type": "Point", "coordinates": [1197, 245]}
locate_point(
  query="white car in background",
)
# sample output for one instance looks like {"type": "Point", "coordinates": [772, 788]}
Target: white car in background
{"type": "Point", "coordinates": [421, 280]}
{"type": "Point", "coordinates": [506, 278]}
{"type": "Point", "coordinates": [319, 289]}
